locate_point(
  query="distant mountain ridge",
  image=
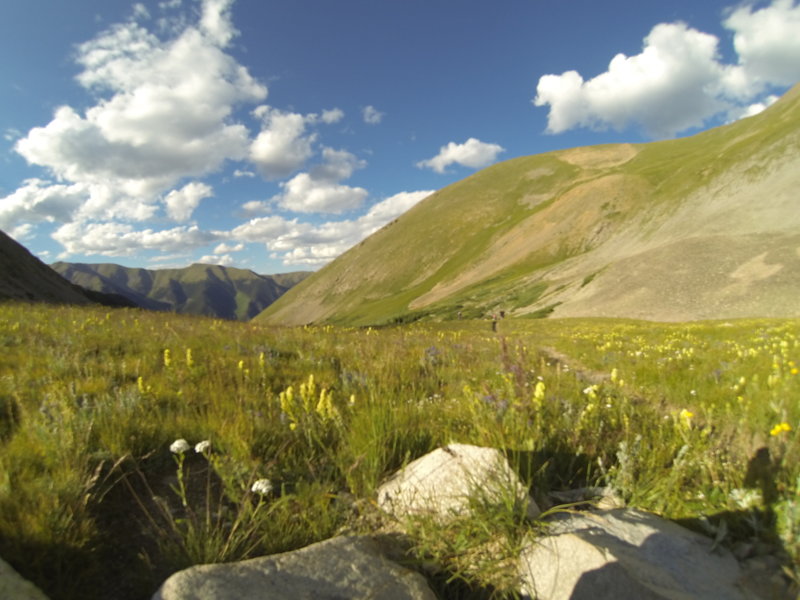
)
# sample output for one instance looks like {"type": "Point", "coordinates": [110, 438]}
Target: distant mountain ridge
{"type": "Point", "coordinates": [701, 227]}
{"type": "Point", "coordinates": [200, 289]}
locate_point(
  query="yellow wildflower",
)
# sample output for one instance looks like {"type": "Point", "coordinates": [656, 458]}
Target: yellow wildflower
{"type": "Point", "coordinates": [780, 428]}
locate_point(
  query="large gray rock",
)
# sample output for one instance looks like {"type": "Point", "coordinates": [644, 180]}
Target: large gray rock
{"type": "Point", "coordinates": [626, 555]}
{"type": "Point", "coordinates": [336, 569]}
{"type": "Point", "coordinates": [14, 586]}
{"type": "Point", "coordinates": [445, 481]}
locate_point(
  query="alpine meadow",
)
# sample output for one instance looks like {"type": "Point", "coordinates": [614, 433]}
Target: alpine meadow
{"type": "Point", "coordinates": [136, 443]}
{"type": "Point", "coordinates": [557, 360]}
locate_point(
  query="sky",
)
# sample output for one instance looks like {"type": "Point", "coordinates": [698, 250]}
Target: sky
{"type": "Point", "coordinates": [273, 135]}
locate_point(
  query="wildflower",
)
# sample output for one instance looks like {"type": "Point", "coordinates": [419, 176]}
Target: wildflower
{"type": "Point", "coordinates": [167, 358]}
{"type": "Point", "coordinates": [591, 391]}
{"type": "Point", "coordinates": [189, 359]}
{"type": "Point", "coordinates": [179, 446]}
{"type": "Point", "coordinates": [685, 417]}
{"type": "Point", "coordinates": [202, 447]}
{"type": "Point", "coordinates": [538, 391]}
{"type": "Point", "coordinates": [780, 428]}
{"type": "Point", "coordinates": [262, 487]}
{"type": "Point", "coordinates": [614, 375]}
{"type": "Point", "coordinates": [745, 499]}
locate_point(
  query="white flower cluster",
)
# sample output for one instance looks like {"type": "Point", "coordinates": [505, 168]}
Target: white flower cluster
{"type": "Point", "coordinates": [180, 446]}
{"type": "Point", "coordinates": [262, 487]}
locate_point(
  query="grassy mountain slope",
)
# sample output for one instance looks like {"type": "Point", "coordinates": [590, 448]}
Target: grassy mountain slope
{"type": "Point", "coordinates": [698, 227]}
{"type": "Point", "coordinates": [200, 289]}
{"type": "Point", "coordinates": [25, 277]}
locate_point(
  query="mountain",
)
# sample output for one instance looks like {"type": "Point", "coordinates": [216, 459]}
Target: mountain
{"type": "Point", "coordinates": [200, 289]}
{"type": "Point", "coordinates": [701, 227]}
{"type": "Point", "coordinates": [25, 277]}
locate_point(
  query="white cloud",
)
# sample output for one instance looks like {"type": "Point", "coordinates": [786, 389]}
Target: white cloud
{"type": "Point", "coordinates": [371, 115]}
{"type": "Point", "coordinates": [473, 154]}
{"type": "Point", "coordinates": [216, 23]}
{"type": "Point", "coordinates": [303, 193]}
{"type": "Point", "coordinates": [120, 239]}
{"type": "Point", "coordinates": [768, 43]}
{"type": "Point", "coordinates": [163, 114]}
{"type": "Point", "coordinates": [228, 248]}
{"type": "Point", "coordinates": [331, 116]}
{"type": "Point", "coordinates": [182, 203]}
{"type": "Point", "coordinates": [304, 244]}
{"type": "Point", "coordinates": [262, 229]}
{"type": "Point", "coordinates": [243, 173]}
{"type": "Point", "coordinates": [664, 88]}
{"type": "Point", "coordinates": [140, 11]}
{"type": "Point", "coordinates": [752, 109]}
{"type": "Point", "coordinates": [320, 189]}
{"type": "Point", "coordinates": [678, 82]}
{"type": "Point", "coordinates": [226, 260]}
{"type": "Point", "coordinates": [37, 201]}
{"type": "Point", "coordinates": [11, 134]}
{"type": "Point", "coordinates": [282, 146]}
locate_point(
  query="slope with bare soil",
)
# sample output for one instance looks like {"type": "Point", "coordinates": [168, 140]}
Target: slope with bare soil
{"type": "Point", "coordinates": [692, 228]}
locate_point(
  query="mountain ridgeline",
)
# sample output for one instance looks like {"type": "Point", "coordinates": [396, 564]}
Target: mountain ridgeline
{"type": "Point", "coordinates": [701, 227]}
{"type": "Point", "coordinates": [25, 278]}
{"type": "Point", "coordinates": [201, 289]}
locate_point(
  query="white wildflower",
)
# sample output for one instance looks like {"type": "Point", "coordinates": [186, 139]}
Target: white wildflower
{"type": "Point", "coordinates": [179, 446]}
{"type": "Point", "coordinates": [262, 487]}
{"type": "Point", "coordinates": [202, 447]}
{"type": "Point", "coordinates": [745, 499]}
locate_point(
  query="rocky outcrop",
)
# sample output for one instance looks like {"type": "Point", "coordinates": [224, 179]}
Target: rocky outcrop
{"type": "Point", "coordinates": [446, 480]}
{"type": "Point", "coordinates": [14, 586]}
{"type": "Point", "coordinates": [626, 554]}
{"type": "Point", "coordinates": [343, 567]}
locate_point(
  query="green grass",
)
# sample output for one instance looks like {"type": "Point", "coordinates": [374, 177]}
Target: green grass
{"type": "Point", "coordinates": [686, 420]}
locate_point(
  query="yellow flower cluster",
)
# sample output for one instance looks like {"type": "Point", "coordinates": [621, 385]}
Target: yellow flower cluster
{"type": "Point", "coordinates": [780, 428]}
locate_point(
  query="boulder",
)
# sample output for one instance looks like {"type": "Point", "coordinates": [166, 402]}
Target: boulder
{"type": "Point", "coordinates": [445, 481]}
{"type": "Point", "coordinates": [13, 585]}
{"type": "Point", "coordinates": [626, 554]}
{"type": "Point", "coordinates": [342, 567]}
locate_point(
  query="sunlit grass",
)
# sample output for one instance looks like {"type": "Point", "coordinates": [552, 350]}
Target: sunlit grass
{"type": "Point", "coordinates": [692, 421]}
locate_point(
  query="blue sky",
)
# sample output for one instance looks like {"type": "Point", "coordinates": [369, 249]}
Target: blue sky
{"type": "Point", "coordinates": [273, 135]}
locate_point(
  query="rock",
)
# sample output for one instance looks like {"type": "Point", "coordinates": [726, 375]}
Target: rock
{"type": "Point", "coordinates": [14, 586]}
{"type": "Point", "coordinates": [444, 481]}
{"type": "Point", "coordinates": [626, 554]}
{"type": "Point", "coordinates": [598, 497]}
{"type": "Point", "coordinates": [336, 569]}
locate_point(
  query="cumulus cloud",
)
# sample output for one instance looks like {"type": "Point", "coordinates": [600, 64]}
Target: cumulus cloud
{"type": "Point", "coordinates": [282, 146]}
{"type": "Point", "coordinates": [121, 239]}
{"type": "Point", "coordinates": [226, 260]}
{"type": "Point", "coordinates": [677, 81]}
{"type": "Point", "coordinates": [228, 248]}
{"type": "Point", "coordinates": [39, 201]}
{"type": "Point", "coordinates": [182, 203]}
{"type": "Point", "coordinates": [331, 116]}
{"type": "Point", "coordinates": [305, 244]}
{"type": "Point", "coordinates": [320, 189]}
{"type": "Point", "coordinates": [371, 115]}
{"type": "Point", "coordinates": [473, 154]}
{"type": "Point", "coordinates": [768, 44]}
{"type": "Point", "coordinates": [162, 115]}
